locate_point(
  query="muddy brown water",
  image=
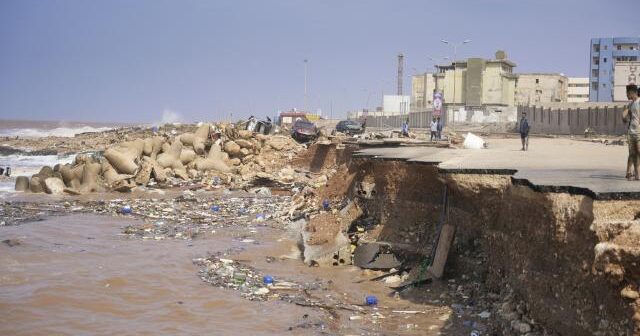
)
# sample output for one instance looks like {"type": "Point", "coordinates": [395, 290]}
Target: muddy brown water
{"type": "Point", "coordinates": [76, 275]}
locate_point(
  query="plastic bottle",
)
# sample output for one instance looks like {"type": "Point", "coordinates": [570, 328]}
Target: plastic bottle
{"type": "Point", "coordinates": [371, 300]}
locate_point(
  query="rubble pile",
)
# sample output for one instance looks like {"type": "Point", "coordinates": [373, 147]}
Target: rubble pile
{"type": "Point", "coordinates": [220, 153]}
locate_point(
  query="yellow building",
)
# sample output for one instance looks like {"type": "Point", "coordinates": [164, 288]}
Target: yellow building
{"type": "Point", "coordinates": [474, 85]}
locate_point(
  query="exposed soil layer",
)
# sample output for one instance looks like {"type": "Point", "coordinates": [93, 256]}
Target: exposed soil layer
{"type": "Point", "coordinates": [562, 264]}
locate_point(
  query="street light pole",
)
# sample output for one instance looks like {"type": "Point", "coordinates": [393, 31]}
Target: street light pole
{"type": "Point", "coordinates": [455, 54]}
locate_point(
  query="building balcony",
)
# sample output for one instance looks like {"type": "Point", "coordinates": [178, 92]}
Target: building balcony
{"type": "Point", "coordinates": [626, 53]}
{"type": "Point", "coordinates": [626, 40]}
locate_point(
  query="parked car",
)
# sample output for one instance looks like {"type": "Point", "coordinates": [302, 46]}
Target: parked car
{"type": "Point", "coordinates": [349, 127]}
{"type": "Point", "coordinates": [303, 130]}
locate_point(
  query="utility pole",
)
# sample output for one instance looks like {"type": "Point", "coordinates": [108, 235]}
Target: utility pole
{"type": "Point", "coordinates": [331, 110]}
{"type": "Point", "coordinates": [306, 77]}
{"type": "Point", "coordinates": [455, 54]}
{"type": "Point", "coordinates": [400, 71]}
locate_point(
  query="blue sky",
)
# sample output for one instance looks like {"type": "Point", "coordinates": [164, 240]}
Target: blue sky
{"type": "Point", "coordinates": [131, 60]}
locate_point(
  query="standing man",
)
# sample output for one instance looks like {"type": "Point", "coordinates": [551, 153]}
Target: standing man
{"type": "Point", "coordinates": [440, 125]}
{"type": "Point", "coordinates": [434, 129]}
{"type": "Point", "coordinates": [523, 129]}
{"type": "Point", "coordinates": [630, 117]}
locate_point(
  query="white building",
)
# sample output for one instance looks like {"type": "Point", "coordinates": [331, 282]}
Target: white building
{"type": "Point", "coordinates": [625, 73]}
{"type": "Point", "coordinates": [394, 105]}
{"type": "Point", "coordinates": [578, 90]}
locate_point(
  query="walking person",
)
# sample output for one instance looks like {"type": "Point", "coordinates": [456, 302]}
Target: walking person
{"type": "Point", "coordinates": [630, 117]}
{"type": "Point", "coordinates": [440, 126]}
{"type": "Point", "coordinates": [523, 129]}
{"type": "Point", "coordinates": [434, 129]}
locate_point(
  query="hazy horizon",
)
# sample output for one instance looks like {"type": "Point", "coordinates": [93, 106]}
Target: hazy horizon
{"type": "Point", "coordinates": [133, 61]}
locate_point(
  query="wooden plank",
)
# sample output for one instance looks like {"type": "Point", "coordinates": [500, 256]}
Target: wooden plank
{"type": "Point", "coordinates": [442, 250]}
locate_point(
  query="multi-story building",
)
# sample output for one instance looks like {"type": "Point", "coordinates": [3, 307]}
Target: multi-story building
{"type": "Point", "coordinates": [625, 73]}
{"type": "Point", "coordinates": [475, 83]}
{"type": "Point", "coordinates": [422, 90]}
{"type": "Point", "coordinates": [538, 88]}
{"type": "Point", "coordinates": [605, 53]}
{"type": "Point", "coordinates": [578, 90]}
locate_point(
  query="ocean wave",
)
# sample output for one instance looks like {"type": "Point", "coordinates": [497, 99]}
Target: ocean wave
{"type": "Point", "coordinates": [58, 132]}
{"type": "Point", "coordinates": [27, 165]}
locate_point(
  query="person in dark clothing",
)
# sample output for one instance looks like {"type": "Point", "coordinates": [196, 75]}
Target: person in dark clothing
{"type": "Point", "coordinates": [523, 129]}
{"type": "Point", "coordinates": [440, 125]}
{"type": "Point", "coordinates": [434, 129]}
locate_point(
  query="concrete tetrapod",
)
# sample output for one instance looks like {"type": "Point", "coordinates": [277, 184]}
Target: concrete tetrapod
{"type": "Point", "coordinates": [215, 160]}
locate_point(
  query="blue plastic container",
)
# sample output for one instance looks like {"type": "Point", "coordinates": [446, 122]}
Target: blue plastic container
{"type": "Point", "coordinates": [267, 279]}
{"type": "Point", "coordinates": [371, 300]}
{"type": "Point", "coordinates": [326, 205]}
{"type": "Point", "coordinates": [126, 210]}
{"type": "Point", "coordinates": [215, 208]}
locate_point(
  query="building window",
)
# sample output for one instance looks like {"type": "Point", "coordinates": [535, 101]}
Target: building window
{"type": "Point", "coordinates": [605, 47]}
{"type": "Point", "coordinates": [594, 85]}
{"type": "Point", "coordinates": [594, 73]}
{"type": "Point", "coordinates": [604, 60]}
{"type": "Point", "coordinates": [596, 47]}
{"type": "Point", "coordinates": [537, 80]}
{"type": "Point", "coordinates": [619, 47]}
{"type": "Point", "coordinates": [596, 61]}
{"type": "Point", "coordinates": [604, 85]}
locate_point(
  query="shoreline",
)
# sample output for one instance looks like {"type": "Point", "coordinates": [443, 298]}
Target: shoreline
{"type": "Point", "coordinates": [338, 201]}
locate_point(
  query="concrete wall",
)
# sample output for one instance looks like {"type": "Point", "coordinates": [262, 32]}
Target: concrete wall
{"type": "Point", "coordinates": [575, 118]}
{"type": "Point", "coordinates": [423, 118]}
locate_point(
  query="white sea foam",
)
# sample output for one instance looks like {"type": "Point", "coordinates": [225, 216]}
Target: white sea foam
{"type": "Point", "coordinates": [59, 132]}
{"type": "Point", "coordinates": [26, 165]}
